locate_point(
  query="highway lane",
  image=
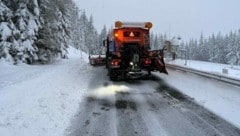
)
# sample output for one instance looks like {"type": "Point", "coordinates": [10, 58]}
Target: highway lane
{"type": "Point", "coordinates": [142, 108]}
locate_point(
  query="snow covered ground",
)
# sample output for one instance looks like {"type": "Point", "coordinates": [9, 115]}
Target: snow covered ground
{"type": "Point", "coordinates": [41, 99]}
{"type": "Point", "coordinates": [233, 71]}
{"type": "Point", "coordinates": [221, 98]}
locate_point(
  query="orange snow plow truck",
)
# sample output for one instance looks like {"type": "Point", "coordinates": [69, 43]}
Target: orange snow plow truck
{"type": "Point", "coordinates": [128, 54]}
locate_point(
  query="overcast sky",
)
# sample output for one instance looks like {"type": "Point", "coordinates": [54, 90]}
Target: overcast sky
{"type": "Point", "coordinates": [185, 18]}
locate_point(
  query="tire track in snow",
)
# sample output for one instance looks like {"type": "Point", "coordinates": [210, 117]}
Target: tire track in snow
{"type": "Point", "coordinates": [129, 119]}
{"type": "Point", "coordinates": [149, 108]}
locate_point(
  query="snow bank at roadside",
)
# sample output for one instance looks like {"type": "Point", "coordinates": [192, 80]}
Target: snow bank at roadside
{"type": "Point", "coordinates": [73, 53]}
{"type": "Point", "coordinates": [217, 68]}
{"type": "Point", "coordinates": [40, 100]}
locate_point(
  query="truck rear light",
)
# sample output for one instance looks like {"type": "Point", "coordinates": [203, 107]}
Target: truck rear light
{"type": "Point", "coordinates": [115, 63]}
{"type": "Point", "coordinates": [147, 61]}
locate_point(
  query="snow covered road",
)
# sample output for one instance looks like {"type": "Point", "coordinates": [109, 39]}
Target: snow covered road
{"type": "Point", "coordinates": [145, 108]}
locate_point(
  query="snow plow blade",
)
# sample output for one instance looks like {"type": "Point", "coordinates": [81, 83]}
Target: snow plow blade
{"type": "Point", "coordinates": [158, 61]}
{"type": "Point", "coordinates": [97, 60]}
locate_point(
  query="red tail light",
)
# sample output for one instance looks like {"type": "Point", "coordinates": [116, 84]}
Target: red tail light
{"type": "Point", "coordinates": [115, 63]}
{"type": "Point", "coordinates": [147, 61]}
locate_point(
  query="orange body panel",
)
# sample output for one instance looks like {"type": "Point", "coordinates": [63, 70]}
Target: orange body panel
{"type": "Point", "coordinates": [124, 35]}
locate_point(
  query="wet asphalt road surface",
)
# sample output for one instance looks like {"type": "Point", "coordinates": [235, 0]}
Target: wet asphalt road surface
{"type": "Point", "coordinates": [142, 108]}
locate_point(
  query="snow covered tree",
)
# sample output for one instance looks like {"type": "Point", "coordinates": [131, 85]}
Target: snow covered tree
{"type": "Point", "coordinates": [192, 49]}
{"type": "Point", "coordinates": [7, 34]}
{"type": "Point", "coordinates": [155, 42]}
{"type": "Point", "coordinates": [83, 30]}
{"type": "Point", "coordinates": [26, 19]}
{"type": "Point", "coordinates": [102, 36]}
{"type": "Point", "coordinates": [37, 31]}
{"type": "Point", "coordinates": [152, 40]}
{"type": "Point", "coordinates": [218, 49]}
{"type": "Point", "coordinates": [234, 48]}
{"type": "Point", "coordinates": [24, 25]}
{"type": "Point", "coordinates": [75, 31]}
{"type": "Point", "coordinates": [221, 48]}
{"type": "Point", "coordinates": [203, 51]}
{"type": "Point", "coordinates": [54, 36]}
{"type": "Point", "coordinates": [162, 38]}
{"type": "Point", "coordinates": [213, 47]}
{"type": "Point", "coordinates": [91, 37]}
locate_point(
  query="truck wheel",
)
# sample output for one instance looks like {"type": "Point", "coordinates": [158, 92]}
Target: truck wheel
{"type": "Point", "coordinates": [113, 78]}
{"type": "Point", "coordinates": [149, 73]}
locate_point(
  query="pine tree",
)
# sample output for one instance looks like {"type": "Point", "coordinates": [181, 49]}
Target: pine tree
{"type": "Point", "coordinates": [234, 44]}
{"type": "Point", "coordinates": [75, 31]}
{"type": "Point", "coordinates": [54, 35]}
{"type": "Point", "coordinates": [221, 49]}
{"type": "Point", "coordinates": [232, 52]}
{"type": "Point", "coordinates": [102, 36]}
{"type": "Point", "coordinates": [37, 31]}
{"type": "Point", "coordinates": [152, 41]}
{"type": "Point", "coordinates": [161, 38]}
{"type": "Point", "coordinates": [91, 37]}
{"type": "Point", "coordinates": [155, 42]}
{"type": "Point", "coordinates": [238, 48]}
{"type": "Point", "coordinates": [7, 34]}
{"type": "Point", "coordinates": [27, 22]}
{"type": "Point", "coordinates": [202, 53]}
{"type": "Point", "coordinates": [83, 30]}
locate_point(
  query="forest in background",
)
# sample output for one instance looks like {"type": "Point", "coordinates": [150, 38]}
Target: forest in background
{"type": "Point", "coordinates": [38, 31]}
{"type": "Point", "coordinates": [218, 48]}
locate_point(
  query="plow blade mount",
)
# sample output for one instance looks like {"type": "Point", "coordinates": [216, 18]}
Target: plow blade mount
{"type": "Point", "coordinates": [158, 61]}
{"type": "Point", "coordinates": [160, 66]}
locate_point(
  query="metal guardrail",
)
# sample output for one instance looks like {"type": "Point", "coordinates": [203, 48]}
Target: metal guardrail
{"type": "Point", "coordinates": [219, 77]}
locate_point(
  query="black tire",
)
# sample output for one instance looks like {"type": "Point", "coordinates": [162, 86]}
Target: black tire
{"type": "Point", "coordinates": [149, 73]}
{"type": "Point", "coordinates": [112, 78]}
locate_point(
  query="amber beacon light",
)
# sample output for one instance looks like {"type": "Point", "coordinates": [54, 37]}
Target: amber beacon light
{"type": "Point", "coordinates": [147, 25]}
{"type": "Point", "coordinates": [118, 24]}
